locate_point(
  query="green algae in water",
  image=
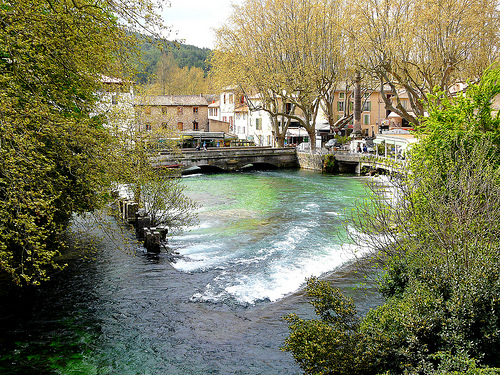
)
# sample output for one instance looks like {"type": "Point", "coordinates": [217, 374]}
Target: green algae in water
{"type": "Point", "coordinates": [65, 350]}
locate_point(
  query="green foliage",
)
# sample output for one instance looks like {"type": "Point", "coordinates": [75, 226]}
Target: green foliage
{"type": "Point", "coordinates": [57, 158]}
{"type": "Point", "coordinates": [437, 237]}
{"type": "Point", "coordinates": [342, 140]}
{"type": "Point", "coordinates": [50, 146]}
{"type": "Point", "coordinates": [184, 55]}
{"type": "Point", "coordinates": [328, 345]}
{"type": "Point", "coordinates": [330, 164]}
{"type": "Point", "coordinates": [463, 122]}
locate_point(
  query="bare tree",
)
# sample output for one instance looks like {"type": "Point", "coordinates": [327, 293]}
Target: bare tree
{"type": "Point", "coordinates": [291, 51]}
{"type": "Point", "coordinates": [417, 47]}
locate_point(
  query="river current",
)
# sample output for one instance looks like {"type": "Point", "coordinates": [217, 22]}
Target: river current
{"type": "Point", "coordinates": [218, 308]}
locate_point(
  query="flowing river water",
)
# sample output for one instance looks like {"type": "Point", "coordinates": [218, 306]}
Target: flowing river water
{"type": "Point", "coordinates": [218, 308]}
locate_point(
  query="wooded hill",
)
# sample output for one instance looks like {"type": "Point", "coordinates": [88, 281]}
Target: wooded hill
{"type": "Point", "coordinates": [184, 55]}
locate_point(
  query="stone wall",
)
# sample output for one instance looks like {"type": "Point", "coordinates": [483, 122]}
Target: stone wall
{"type": "Point", "coordinates": [310, 161]}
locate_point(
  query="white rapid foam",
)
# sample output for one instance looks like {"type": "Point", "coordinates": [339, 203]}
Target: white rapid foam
{"type": "Point", "coordinates": [283, 278]}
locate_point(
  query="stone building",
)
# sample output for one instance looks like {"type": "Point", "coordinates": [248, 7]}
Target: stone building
{"type": "Point", "coordinates": [175, 112]}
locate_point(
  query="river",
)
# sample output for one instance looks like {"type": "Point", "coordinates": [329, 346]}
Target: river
{"type": "Point", "coordinates": [218, 308]}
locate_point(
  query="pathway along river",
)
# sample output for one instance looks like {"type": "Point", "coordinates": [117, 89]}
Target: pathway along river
{"type": "Point", "coordinates": [218, 309]}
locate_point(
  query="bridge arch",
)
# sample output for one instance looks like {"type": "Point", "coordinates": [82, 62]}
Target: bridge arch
{"type": "Point", "coordinates": [203, 168]}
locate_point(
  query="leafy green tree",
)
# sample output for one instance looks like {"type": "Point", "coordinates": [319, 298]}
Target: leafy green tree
{"type": "Point", "coordinates": [330, 344]}
{"type": "Point", "coordinates": [57, 158]}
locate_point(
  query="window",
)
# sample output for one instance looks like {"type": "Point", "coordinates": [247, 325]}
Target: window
{"type": "Point", "coordinates": [164, 110]}
{"type": "Point", "coordinates": [195, 125]}
{"type": "Point", "coordinates": [147, 110]}
{"type": "Point", "coordinates": [180, 126]}
{"type": "Point", "coordinates": [366, 119]}
{"type": "Point", "coordinates": [231, 120]}
{"type": "Point", "coordinates": [224, 99]}
{"type": "Point", "coordinates": [114, 100]}
{"type": "Point", "coordinates": [195, 109]}
{"type": "Point", "coordinates": [258, 124]}
{"type": "Point", "coordinates": [224, 118]}
{"type": "Point", "coordinates": [341, 95]}
{"type": "Point", "coordinates": [367, 95]}
{"type": "Point", "coordinates": [148, 126]}
{"type": "Point", "coordinates": [288, 108]}
{"type": "Point", "coordinates": [340, 106]}
{"type": "Point", "coordinates": [180, 110]}
{"type": "Point", "coordinates": [367, 106]}
{"type": "Point", "coordinates": [242, 99]}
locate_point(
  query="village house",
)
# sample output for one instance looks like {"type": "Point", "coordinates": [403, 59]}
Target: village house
{"type": "Point", "coordinates": [247, 122]}
{"type": "Point", "coordinates": [215, 124]}
{"type": "Point", "coordinates": [227, 106]}
{"type": "Point", "coordinates": [116, 99]}
{"type": "Point", "coordinates": [373, 112]}
{"type": "Point", "coordinates": [174, 112]}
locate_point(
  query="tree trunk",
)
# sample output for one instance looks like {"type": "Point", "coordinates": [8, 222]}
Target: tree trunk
{"type": "Point", "coordinates": [357, 104]}
{"type": "Point", "coordinates": [312, 138]}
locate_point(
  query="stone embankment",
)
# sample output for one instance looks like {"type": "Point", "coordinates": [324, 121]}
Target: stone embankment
{"type": "Point", "coordinates": [310, 161]}
{"type": "Point", "coordinates": [154, 238]}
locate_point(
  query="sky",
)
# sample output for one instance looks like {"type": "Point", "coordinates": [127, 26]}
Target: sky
{"type": "Point", "coordinates": [193, 20]}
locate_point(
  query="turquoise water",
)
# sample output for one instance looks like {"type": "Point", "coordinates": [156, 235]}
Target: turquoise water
{"type": "Point", "coordinates": [218, 309]}
{"type": "Point", "coordinates": [266, 232]}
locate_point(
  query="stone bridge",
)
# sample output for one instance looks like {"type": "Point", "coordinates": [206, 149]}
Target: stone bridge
{"type": "Point", "coordinates": [229, 159]}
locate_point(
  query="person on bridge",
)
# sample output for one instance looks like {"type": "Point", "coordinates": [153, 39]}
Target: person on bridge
{"type": "Point", "coordinates": [204, 145]}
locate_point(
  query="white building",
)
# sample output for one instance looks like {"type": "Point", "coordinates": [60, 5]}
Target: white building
{"type": "Point", "coordinates": [116, 99]}
{"type": "Point", "coordinates": [214, 110]}
{"type": "Point", "coordinates": [241, 121]}
{"type": "Point", "coordinates": [260, 129]}
{"type": "Point", "coordinates": [227, 107]}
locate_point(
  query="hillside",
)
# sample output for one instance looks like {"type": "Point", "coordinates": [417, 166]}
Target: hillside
{"type": "Point", "coordinates": [183, 54]}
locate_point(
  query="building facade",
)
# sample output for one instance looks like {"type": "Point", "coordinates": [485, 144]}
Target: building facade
{"type": "Point", "coordinates": [373, 112]}
{"type": "Point", "coordinates": [173, 112]}
{"type": "Point", "coordinates": [116, 99]}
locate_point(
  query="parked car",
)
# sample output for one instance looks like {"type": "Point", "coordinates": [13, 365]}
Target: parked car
{"type": "Point", "coordinates": [332, 143]}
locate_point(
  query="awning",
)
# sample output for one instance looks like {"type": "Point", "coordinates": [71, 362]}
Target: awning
{"type": "Point", "coordinates": [296, 132]}
{"type": "Point", "coordinates": [395, 139]}
{"type": "Point", "coordinates": [393, 115]}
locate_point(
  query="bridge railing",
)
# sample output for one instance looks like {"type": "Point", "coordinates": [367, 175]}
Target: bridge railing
{"type": "Point", "coordinates": [236, 149]}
